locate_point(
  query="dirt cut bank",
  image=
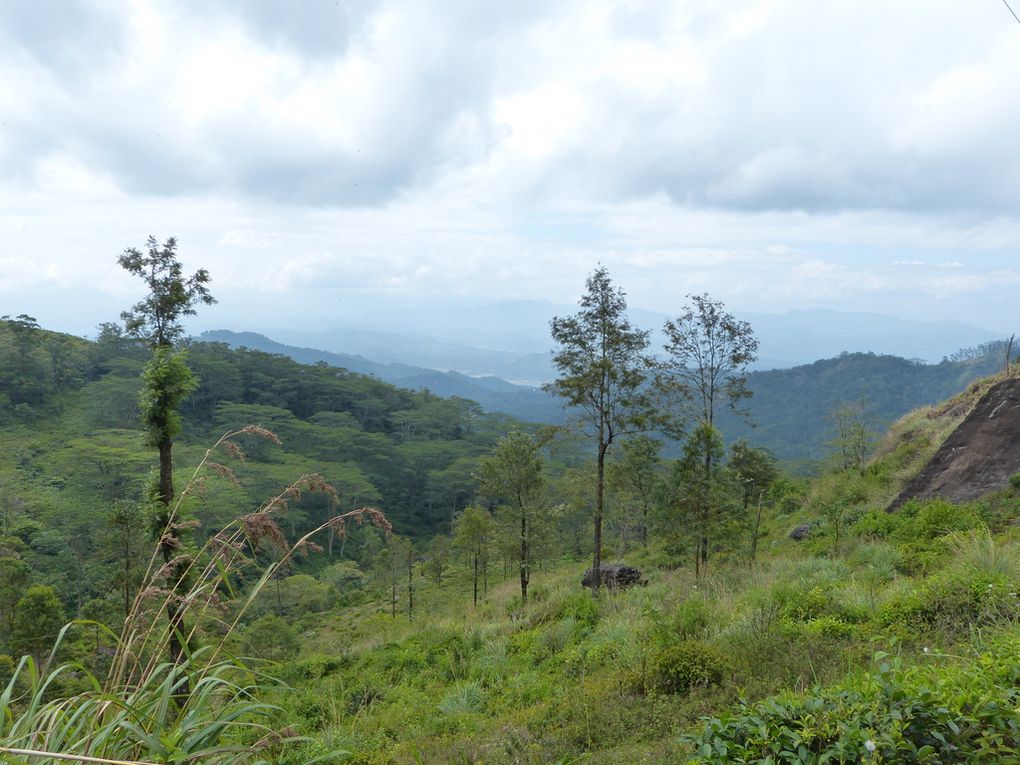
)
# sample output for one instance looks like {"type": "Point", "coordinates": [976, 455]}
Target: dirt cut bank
{"type": "Point", "coordinates": [979, 457]}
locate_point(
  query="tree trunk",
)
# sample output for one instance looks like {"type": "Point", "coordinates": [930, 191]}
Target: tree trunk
{"type": "Point", "coordinates": [166, 473]}
{"type": "Point", "coordinates": [410, 588]}
{"type": "Point", "coordinates": [599, 504]}
{"type": "Point", "coordinates": [524, 557]}
{"type": "Point", "coordinates": [174, 612]}
{"type": "Point", "coordinates": [475, 578]}
{"type": "Point", "coordinates": [757, 526]}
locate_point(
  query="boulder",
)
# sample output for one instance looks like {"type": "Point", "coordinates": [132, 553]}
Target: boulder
{"type": "Point", "coordinates": [613, 576]}
{"type": "Point", "coordinates": [802, 532]}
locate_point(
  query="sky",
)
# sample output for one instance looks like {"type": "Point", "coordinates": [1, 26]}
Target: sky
{"type": "Point", "coordinates": [856, 155]}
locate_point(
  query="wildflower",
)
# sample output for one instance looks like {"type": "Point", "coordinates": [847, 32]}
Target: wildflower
{"type": "Point", "coordinates": [925, 649]}
{"type": "Point", "coordinates": [870, 745]}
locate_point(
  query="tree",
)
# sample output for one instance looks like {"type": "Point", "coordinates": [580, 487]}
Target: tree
{"type": "Point", "coordinates": [14, 577]}
{"type": "Point", "coordinates": [637, 471]}
{"type": "Point", "coordinates": [437, 557]}
{"type": "Point", "coordinates": [853, 439]}
{"type": "Point", "coordinates": [37, 620]}
{"type": "Point", "coordinates": [754, 471]}
{"type": "Point", "coordinates": [695, 491]}
{"type": "Point", "coordinates": [167, 381]}
{"type": "Point", "coordinates": [708, 352]}
{"type": "Point", "coordinates": [472, 532]}
{"type": "Point", "coordinates": [513, 473]}
{"type": "Point", "coordinates": [602, 371]}
{"type": "Point", "coordinates": [156, 321]}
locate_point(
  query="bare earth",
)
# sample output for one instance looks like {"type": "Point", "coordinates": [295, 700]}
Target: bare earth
{"type": "Point", "coordinates": [979, 457]}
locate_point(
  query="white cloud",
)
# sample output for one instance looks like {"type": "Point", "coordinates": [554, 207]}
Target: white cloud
{"type": "Point", "coordinates": [776, 153]}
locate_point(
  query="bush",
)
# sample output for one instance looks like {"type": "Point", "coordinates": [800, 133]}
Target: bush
{"type": "Point", "coordinates": [464, 698]}
{"type": "Point", "coordinates": [952, 602]}
{"type": "Point", "coordinates": [685, 665]}
{"type": "Point", "coordinates": [927, 714]}
{"type": "Point", "coordinates": [582, 608]}
{"type": "Point", "coordinates": [320, 665]}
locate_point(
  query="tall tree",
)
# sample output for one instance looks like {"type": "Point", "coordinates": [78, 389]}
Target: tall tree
{"type": "Point", "coordinates": [167, 380]}
{"type": "Point", "coordinates": [708, 352]}
{"type": "Point", "coordinates": [602, 372]}
{"type": "Point", "coordinates": [513, 473]}
{"type": "Point", "coordinates": [157, 321]}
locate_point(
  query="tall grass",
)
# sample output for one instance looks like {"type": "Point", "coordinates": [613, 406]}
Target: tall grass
{"type": "Point", "coordinates": [204, 709]}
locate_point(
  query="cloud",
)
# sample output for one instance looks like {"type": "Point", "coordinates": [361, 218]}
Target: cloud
{"type": "Point", "coordinates": [775, 105]}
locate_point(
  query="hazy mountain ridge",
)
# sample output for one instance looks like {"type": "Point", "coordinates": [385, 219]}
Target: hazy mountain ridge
{"type": "Point", "coordinates": [510, 339]}
{"type": "Point", "coordinates": [788, 413]}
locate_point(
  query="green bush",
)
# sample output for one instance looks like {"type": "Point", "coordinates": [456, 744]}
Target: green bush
{"type": "Point", "coordinates": [964, 714]}
{"type": "Point", "coordinates": [582, 608]}
{"type": "Point", "coordinates": [691, 619]}
{"type": "Point", "coordinates": [952, 602]}
{"type": "Point", "coordinates": [464, 698]}
{"type": "Point", "coordinates": [320, 665]}
{"type": "Point", "coordinates": [688, 664]}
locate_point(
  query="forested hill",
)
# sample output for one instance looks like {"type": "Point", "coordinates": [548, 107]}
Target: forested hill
{"type": "Point", "coordinates": [72, 451]}
{"type": "Point", "coordinates": [492, 393]}
{"type": "Point", "coordinates": [789, 414]}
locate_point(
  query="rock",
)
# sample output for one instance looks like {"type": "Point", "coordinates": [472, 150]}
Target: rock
{"type": "Point", "coordinates": [613, 576]}
{"type": "Point", "coordinates": [802, 532]}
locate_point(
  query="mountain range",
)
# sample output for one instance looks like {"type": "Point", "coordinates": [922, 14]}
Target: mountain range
{"type": "Point", "coordinates": [787, 413]}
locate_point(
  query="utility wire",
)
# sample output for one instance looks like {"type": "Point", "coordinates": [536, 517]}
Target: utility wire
{"type": "Point", "coordinates": [1012, 11]}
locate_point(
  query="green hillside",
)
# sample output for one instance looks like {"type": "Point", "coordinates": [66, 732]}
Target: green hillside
{"type": "Point", "coordinates": [874, 638]}
{"type": "Point", "coordinates": [788, 413]}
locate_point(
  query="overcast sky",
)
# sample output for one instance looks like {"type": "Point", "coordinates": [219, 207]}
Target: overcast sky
{"type": "Point", "coordinates": [779, 154]}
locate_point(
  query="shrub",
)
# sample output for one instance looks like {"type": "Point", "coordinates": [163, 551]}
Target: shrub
{"type": "Point", "coordinates": [685, 665]}
{"type": "Point", "coordinates": [320, 665]}
{"type": "Point", "coordinates": [926, 714]}
{"type": "Point", "coordinates": [691, 619]}
{"type": "Point", "coordinates": [582, 608]}
{"type": "Point", "coordinates": [271, 637]}
{"type": "Point", "coordinates": [464, 698]}
{"type": "Point", "coordinates": [952, 602]}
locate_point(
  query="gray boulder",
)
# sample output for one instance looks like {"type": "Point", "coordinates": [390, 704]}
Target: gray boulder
{"type": "Point", "coordinates": [613, 576]}
{"type": "Point", "coordinates": [802, 532]}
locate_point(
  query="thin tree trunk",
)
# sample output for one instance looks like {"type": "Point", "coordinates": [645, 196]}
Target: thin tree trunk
{"type": "Point", "coordinates": [524, 557]}
{"type": "Point", "coordinates": [410, 588]}
{"type": "Point", "coordinates": [599, 504]}
{"type": "Point", "coordinates": [174, 612]}
{"type": "Point", "coordinates": [475, 580]}
{"type": "Point", "coordinates": [757, 526]}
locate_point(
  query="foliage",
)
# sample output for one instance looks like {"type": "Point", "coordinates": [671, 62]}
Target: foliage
{"type": "Point", "coordinates": [38, 618]}
{"type": "Point", "coordinates": [922, 714]}
{"type": "Point", "coordinates": [171, 295]}
{"type": "Point", "coordinates": [708, 352]}
{"type": "Point", "coordinates": [687, 664]}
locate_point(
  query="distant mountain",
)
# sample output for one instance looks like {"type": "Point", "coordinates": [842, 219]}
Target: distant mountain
{"type": "Point", "coordinates": [788, 413]}
{"type": "Point", "coordinates": [510, 339]}
{"type": "Point", "coordinates": [800, 337]}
